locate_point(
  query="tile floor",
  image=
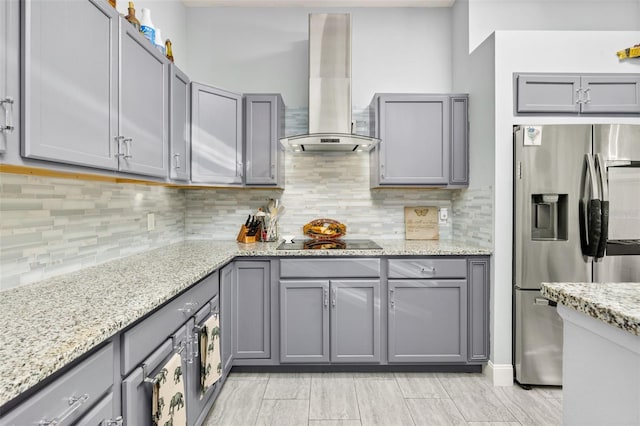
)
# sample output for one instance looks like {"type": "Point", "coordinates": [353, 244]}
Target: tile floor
{"type": "Point", "coordinates": [393, 399]}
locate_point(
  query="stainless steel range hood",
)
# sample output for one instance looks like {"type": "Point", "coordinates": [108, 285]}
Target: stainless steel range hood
{"type": "Point", "coordinates": [330, 89]}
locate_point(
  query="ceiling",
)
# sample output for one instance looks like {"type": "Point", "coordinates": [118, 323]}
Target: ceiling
{"type": "Point", "coordinates": [320, 3]}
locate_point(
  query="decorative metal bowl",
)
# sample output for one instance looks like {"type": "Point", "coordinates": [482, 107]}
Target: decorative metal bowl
{"type": "Point", "coordinates": [324, 229]}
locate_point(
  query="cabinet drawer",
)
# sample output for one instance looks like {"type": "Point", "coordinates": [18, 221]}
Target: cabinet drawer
{"type": "Point", "coordinates": [86, 382]}
{"type": "Point", "coordinates": [428, 268]}
{"type": "Point", "coordinates": [100, 414]}
{"type": "Point", "coordinates": [326, 268]}
{"type": "Point", "coordinates": [139, 341]}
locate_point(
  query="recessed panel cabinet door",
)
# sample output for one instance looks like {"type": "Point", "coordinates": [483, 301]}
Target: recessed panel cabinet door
{"type": "Point", "coordinates": [355, 320]}
{"type": "Point", "coordinates": [216, 135]}
{"type": "Point", "coordinates": [415, 139]}
{"type": "Point", "coordinates": [143, 106]}
{"type": "Point", "coordinates": [264, 120]}
{"type": "Point", "coordinates": [304, 321]}
{"type": "Point", "coordinates": [427, 321]}
{"type": "Point", "coordinates": [226, 318]}
{"type": "Point", "coordinates": [252, 310]}
{"type": "Point", "coordinates": [548, 93]}
{"type": "Point", "coordinates": [611, 94]}
{"type": "Point", "coordinates": [179, 125]}
{"type": "Point", "coordinates": [70, 76]}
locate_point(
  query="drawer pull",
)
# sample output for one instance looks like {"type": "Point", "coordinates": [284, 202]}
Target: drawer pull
{"type": "Point", "coordinates": [188, 307]}
{"type": "Point", "coordinates": [431, 270]}
{"type": "Point", "coordinates": [118, 421]}
{"type": "Point", "coordinates": [75, 402]}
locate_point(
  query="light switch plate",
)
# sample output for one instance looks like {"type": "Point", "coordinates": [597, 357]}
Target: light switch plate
{"type": "Point", "coordinates": [443, 216]}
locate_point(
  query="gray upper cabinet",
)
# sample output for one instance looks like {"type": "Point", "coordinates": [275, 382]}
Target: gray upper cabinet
{"type": "Point", "coordinates": [427, 321]}
{"type": "Point", "coordinates": [252, 310]}
{"type": "Point", "coordinates": [10, 76]}
{"type": "Point", "coordinates": [578, 93]}
{"type": "Point", "coordinates": [70, 106]}
{"type": "Point", "coordinates": [355, 320]}
{"type": "Point", "coordinates": [143, 105]}
{"type": "Point", "coordinates": [304, 321]}
{"type": "Point", "coordinates": [264, 126]}
{"type": "Point", "coordinates": [179, 125]}
{"type": "Point", "coordinates": [216, 136]}
{"type": "Point", "coordinates": [424, 140]}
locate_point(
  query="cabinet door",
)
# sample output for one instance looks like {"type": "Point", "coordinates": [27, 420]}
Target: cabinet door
{"type": "Point", "coordinates": [478, 309]}
{"type": "Point", "coordinates": [101, 414]}
{"type": "Point", "coordinates": [304, 321]}
{"type": "Point", "coordinates": [216, 135]}
{"type": "Point", "coordinates": [548, 93]}
{"type": "Point", "coordinates": [179, 120]}
{"type": "Point", "coordinates": [415, 140]}
{"type": "Point", "coordinates": [459, 150]}
{"type": "Point", "coordinates": [9, 76]}
{"type": "Point", "coordinates": [252, 310]}
{"type": "Point", "coordinates": [70, 76]}
{"type": "Point", "coordinates": [611, 94]}
{"type": "Point", "coordinates": [355, 320]}
{"type": "Point", "coordinates": [427, 321]}
{"type": "Point", "coordinates": [263, 120]}
{"type": "Point", "coordinates": [144, 77]}
{"type": "Point", "coordinates": [226, 318]}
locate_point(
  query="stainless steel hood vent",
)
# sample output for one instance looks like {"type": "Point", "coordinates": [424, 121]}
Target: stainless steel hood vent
{"type": "Point", "coordinates": [330, 89]}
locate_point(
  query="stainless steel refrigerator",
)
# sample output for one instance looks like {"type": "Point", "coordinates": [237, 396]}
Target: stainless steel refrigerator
{"type": "Point", "coordinates": [576, 219]}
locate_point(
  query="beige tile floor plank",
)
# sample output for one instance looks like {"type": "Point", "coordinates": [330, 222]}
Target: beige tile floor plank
{"type": "Point", "coordinates": [283, 412]}
{"type": "Point", "coordinates": [381, 403]}
{"type": "Point", "coordinates": [420, 385]}
{"type": "Point", "coordinates": [435, 412]}
{"type": "Point", "coordinates": [530, 408]}
{"type": "Point", "coordinates": [238, 403]}
{"type": "Point", "coordinates": [333, 397]}
{"type": "Point", "coordinates": [288, 386]}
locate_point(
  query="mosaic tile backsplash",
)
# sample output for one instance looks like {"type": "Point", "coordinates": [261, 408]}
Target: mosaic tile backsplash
{"type": "Point", "coordinates": [50, 226]}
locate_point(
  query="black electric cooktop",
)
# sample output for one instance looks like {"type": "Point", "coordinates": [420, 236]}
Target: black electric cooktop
{"type": "Point", "coordinates": [347, 244]}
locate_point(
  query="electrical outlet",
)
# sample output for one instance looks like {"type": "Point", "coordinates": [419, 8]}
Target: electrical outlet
{"type": "Point", "coordinates": [443, 216]}
{"type": "Point", "coordinates": [151, 221]}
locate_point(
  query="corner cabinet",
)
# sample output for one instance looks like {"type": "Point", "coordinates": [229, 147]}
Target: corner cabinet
{"type": "Point", "coordinates": [216, 136]}
{"type": "Point", "coordinates": [424, 140]}
{"type": "Point", "coordinates": [107, 111]}
{"type": "Point", "coordinates": [263, 128]}
{"type": "Point", "coordinates": [577, 93]}
{"type": "Point", "coordinates": [179, 125]}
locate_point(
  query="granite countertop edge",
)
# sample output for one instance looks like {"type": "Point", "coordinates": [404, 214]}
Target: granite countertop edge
{"type": "Point", "coordinates": [616, 304]}
{"type": "Point", "coordinates": [128, 289]}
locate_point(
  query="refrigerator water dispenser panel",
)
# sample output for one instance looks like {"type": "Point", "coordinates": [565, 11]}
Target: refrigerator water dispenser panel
{"type": "Point", "coordinates": [549, 217]}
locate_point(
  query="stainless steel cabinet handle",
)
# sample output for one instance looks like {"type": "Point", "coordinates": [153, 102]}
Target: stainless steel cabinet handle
{"type": "Point", "coordinates": [177, 157]}
{"type": "Point", "coordinates": [118, 421]}
{"type": "Point", "coordinates": [424, 270]}
{"type": "Point", "coordinates": [273, 173]}
{"type": "Point", "coordinates": [579, 96]}
{"type": "Point", "coordinates": [333, 297]}
{"type": "Point", "coordinates": [188, 307]}
{"type": "Point", "coordinates": [326, 297]}
{"type": "Point", "coordinates": [119, 140]}
{"type": "Point", "coordinates": [392, 301]}
{"type": "Point", "coordinates": [588, 93]}
{"type": "Point", "coordinates": [240, 169]}
{"type": "Point", "coordinates": [7, 103]}
{"type": "Point", "coordinates": [128, 142]}
{"type": "Point", "coordinates": [75, 402]}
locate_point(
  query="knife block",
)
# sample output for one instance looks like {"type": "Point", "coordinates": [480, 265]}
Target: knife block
{"type": "Point", "coordinates": [244, 238]}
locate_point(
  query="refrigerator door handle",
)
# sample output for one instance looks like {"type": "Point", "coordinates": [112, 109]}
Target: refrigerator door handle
{"type": "Point", "coordinates": [604, 206]}
{"type": "Point", "coordinates": [590, 212]}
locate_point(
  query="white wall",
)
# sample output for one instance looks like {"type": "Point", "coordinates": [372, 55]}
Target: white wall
{"type": "Point", "coordinates": [486, 16]}
{"type": "Point", "coordinates": [171, 17]}
{"type": "Point", "coordinates": [536, 51]}
{"type": "Point", "coordinates": [265, 50]}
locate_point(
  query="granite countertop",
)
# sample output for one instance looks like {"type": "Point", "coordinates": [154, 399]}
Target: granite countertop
{"type": "Point", "coordinates": [48, 324]}
{"type": "Point", "coordinates": [617, 304]}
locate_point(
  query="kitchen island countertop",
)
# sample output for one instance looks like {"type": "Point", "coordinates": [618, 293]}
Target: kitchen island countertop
{"type": "Point", "coordinates": [51, 323]}
{"type": "Point", "coordinates": [616, 304]}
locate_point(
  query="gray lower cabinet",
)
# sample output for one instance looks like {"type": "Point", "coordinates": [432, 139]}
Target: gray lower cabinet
{"type": "Point", "coordinates": [72, 395]}
{"type": "Point", "coordinates": [10, 82]}
{"type": "Point", "coordinates": [179, 125]}
{"type": "Point", "coordinates": [478, 325]}
{"type": "Point", "coordinates": [216, 136]}
{"type": "Point", "coordinates": [427, 321]}
{"type": "Point", "coordinates": [304, 321]}
{"type": "Point", "coordinates": [578, 93]}
{"type": "Point", "coordinates": [226, 317]}
{"type": "Point", "coordinates": [101, 414]}
{"type": "Point", "coordinates": [424, 140]}
{"type": "Point", "coordinates": [335, 320]}
{"type": "Point", "coordinates": [70, 106]}
{"type": "Point", "coordinates": [263, 128]}
{"type": "Point", "coordinates": [251, 310]}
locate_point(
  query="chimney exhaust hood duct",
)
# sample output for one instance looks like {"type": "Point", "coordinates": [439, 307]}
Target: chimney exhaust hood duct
{"type": "Point", "coordinates": [330, 124]}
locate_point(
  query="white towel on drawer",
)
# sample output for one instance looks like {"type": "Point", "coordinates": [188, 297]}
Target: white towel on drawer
{"type": "Point", "coordinates": [168, 402]}
{"type": "Point", "coordinates": [210, 362]}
